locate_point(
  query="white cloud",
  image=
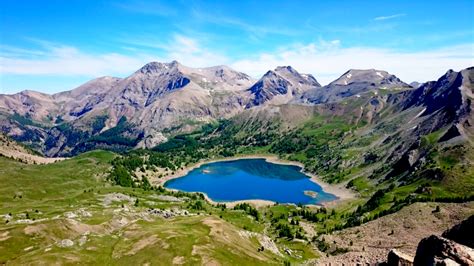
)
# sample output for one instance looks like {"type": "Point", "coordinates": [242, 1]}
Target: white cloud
{"type": "Point", "coordinates": [328, 60]}
{"type": "Point", "coordinates": [69, 61]}
{"type": "Point", "coordinates": [255, 31]}
{"type": "Point", "coordinates": [390, 17]}
{"type": "Point", "coordinates": [189, 51]}
{"type": "Point", "coordinates": [64, 60]}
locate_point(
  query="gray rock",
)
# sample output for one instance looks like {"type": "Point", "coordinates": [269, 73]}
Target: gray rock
{"type": "Point", "coordinates": [436, 250]}
{"type": "Point", "coordinates": [65, 243]}
{"type": "Point", "coordinates": [397, 258]}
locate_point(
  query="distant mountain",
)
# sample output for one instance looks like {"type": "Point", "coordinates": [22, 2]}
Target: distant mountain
{"type": "Point", "coordinates": [447, 101]}
{"type": "Point", "coordinates": [415, 84]}
{"type": "Point", "coordinates": [157, 98]}
{"type": "Point", "coordinates": [281, 85]}
{"type": "Point", "coordinates": [353, 83]}
{"type": "Point", "coordinates": [163, 99]}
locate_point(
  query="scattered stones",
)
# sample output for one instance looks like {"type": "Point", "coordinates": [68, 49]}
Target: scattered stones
{"type": "Point", "coordinates": [82, 240]}
{"type": "Point", "coordinates": [168, 198]}
{"type": "Point", "coordinates": [168, 213]}
{"type": "Point", "coordinates": [266, 242]}
{"type": "Point", "coordinates": [116, 197]}
{"type": "Point", "coordinates": [77, 214]}
{"type": "Point", "coordinates": [70, 215]}
{"type": "Point", "coordinates": [65, 243]}
{"type": "Point", "coordinates": [7, 217]}
{"type": "Point", "coordinates": [24, 221]}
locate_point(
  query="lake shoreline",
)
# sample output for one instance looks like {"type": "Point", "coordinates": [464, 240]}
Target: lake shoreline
{"type": "Point", "coordinates": [339, 190]}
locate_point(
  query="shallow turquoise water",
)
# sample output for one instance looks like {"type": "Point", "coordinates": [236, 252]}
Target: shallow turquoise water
{"type": "Point", "coordinates": [245, 179]}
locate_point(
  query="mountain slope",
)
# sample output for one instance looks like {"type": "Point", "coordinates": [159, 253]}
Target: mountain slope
{"type": "Point", "coordinates": [163, 99]}
{"type": "Point", "coordinates": [156, 98]}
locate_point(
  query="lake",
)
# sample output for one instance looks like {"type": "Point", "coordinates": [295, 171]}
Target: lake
{"type": "Point", "coordinates": [246, 179]}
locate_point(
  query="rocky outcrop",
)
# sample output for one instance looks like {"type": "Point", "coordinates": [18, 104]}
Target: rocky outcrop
{"type": "Point", "coordinates": [454, 247]}
{"type": "Point", "coordinates": [397, 258]}
{"type": "Point", "coordinates": [436, 250]}
{"type": "Point", "coordinates": [462, 233]}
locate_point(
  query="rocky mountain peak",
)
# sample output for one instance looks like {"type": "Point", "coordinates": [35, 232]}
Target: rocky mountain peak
{"type": "Point", "coordinates": [284, 82]}
{"type": "Point", "coordinates": [362, 75]}
{"type": "Point", "coordinates": [352, 83]}
{"type": "Point", "coordinates": [292, 75]}
{"type": "Point", "coordinates": [158, 67]}
{"type": "Point", "coordinates": [286, 69]}
{"type": "Point", "coordinates": [415, 84]}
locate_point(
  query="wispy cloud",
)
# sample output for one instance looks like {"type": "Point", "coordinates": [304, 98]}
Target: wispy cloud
{"type": "Point", "coordinates": [390, 17]}
{"type": "Point", "coordinates": [65, 60]}
{"type": "Point", "coordinates": [328, 60]}
{"type": "Point", "coordinates": [257, 31]}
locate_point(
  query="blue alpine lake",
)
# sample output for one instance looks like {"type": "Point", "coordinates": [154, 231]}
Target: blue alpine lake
{"type": "Point", "coordinates": [246, 179]}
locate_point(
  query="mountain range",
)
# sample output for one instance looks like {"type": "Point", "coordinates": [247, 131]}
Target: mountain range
{"type": "Point", "coordinates": [162, 99]}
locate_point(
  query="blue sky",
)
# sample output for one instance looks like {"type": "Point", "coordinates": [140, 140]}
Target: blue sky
{"type": "Point", "coordinates": [52, 46]}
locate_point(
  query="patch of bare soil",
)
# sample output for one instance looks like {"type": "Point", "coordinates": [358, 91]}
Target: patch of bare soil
{"type": "Point", "coordinates": [371, 242]}
{"type": "Point", "coordinates": [4, 236]}
{"type": "Point", "coordinates": [179, 260]}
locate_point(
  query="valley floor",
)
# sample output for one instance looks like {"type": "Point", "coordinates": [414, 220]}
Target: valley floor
{"type": "Point", "coordinates": [67, 213]}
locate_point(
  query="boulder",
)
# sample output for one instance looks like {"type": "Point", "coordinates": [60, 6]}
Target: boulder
{"type": "Point", "coordinates": [397, 258]}
{"type": "Point", "coordinates": [462, 233]}
{"type": "Point", "coordinates": [436, 250]}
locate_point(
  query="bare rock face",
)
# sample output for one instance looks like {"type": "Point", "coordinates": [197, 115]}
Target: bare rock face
{"type": "Point", "coordinates": [151, 139]}
{"type": "Point", "coordinates": [436, 250]}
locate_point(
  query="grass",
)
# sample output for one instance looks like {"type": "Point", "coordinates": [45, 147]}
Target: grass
{"type": "Point", "coordinates": [47, 192]}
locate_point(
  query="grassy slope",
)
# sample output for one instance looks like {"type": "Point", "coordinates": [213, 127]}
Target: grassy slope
{"type": "Point", "coordinates": [120, 233]}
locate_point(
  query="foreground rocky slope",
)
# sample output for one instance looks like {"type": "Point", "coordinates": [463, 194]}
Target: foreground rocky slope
{"type": "Point", "coordinates": [373, 242]}
{"type": "Point", "coordinates": [455, 247]}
